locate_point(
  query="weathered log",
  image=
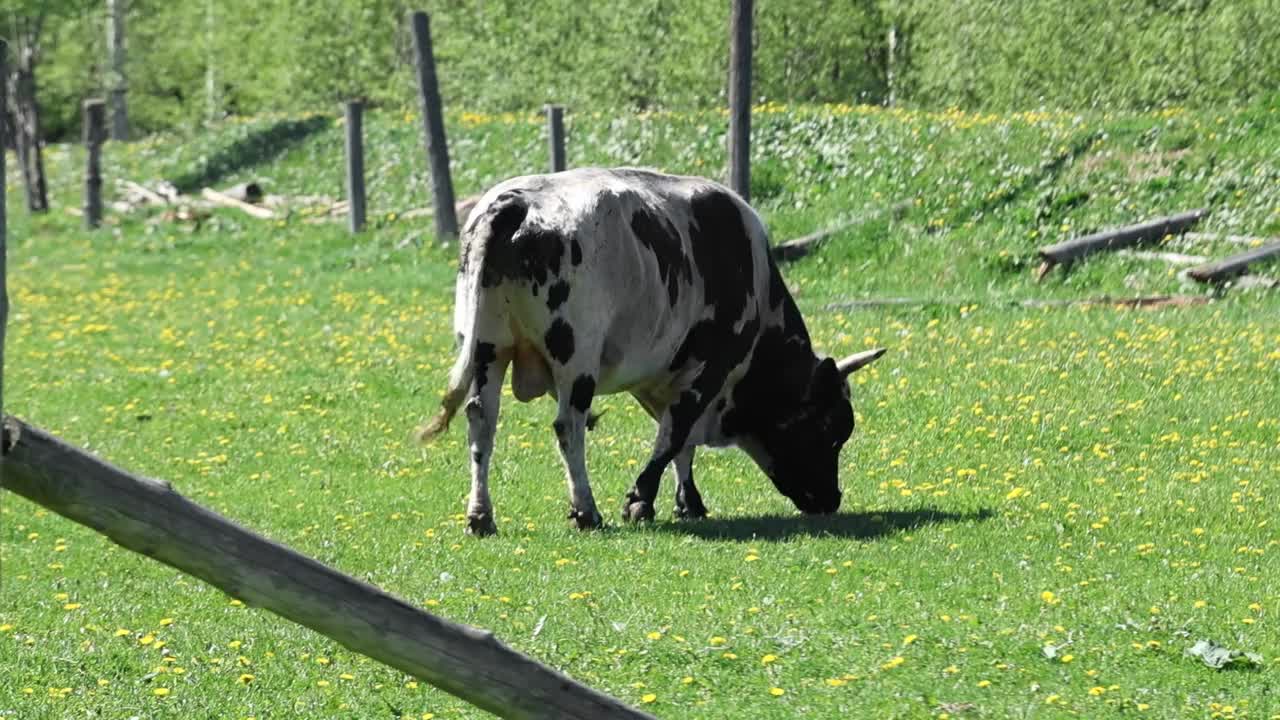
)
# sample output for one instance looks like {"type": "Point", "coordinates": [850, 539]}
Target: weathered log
{"type": "Point", "coordinates": [249, 192]}
{"type": "Point", "coordinates": [1077, 248]}
{"type": "Point", "coordinates": [1228, 268]}
{"type": "Point", "coordinates": [149, 517]}
{"type": "Point", "coordinates": [1150, 301]}
{"type": "Point", "coordinates": [1222, 237]}
{"type": "Point", "coordinates": [801, 246]}
{"type": "Point", "coordinates": [1165, 257]}
{"type": "Point", "coordinates": [227, 201]}
{"type": "Point", "coordinates": [144, 193]}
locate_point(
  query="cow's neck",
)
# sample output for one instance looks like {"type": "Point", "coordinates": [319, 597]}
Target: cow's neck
{"type": "Point", "coordinates": [778, 376]}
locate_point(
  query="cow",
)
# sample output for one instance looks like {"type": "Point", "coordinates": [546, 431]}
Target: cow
{"type": "Point", "coordinates": [596, 281]}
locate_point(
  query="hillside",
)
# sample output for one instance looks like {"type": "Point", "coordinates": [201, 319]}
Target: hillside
{"type": "Point", "coordinates": [1044, 509]}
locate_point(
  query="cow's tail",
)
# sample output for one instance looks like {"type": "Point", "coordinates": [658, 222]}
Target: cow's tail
{"type": "Point", "coordinates": [503, 218]}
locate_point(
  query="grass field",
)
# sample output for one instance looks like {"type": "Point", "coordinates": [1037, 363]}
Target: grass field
{"type": "Point", "coordinates": [1044, 509]}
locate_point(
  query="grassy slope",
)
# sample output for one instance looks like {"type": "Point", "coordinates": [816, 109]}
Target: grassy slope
{"type": "Point", "coordinates": [1018, 478]}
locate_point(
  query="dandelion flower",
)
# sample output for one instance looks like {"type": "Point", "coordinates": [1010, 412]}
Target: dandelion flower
{"type": "Point", "coordinates": [777, 691]}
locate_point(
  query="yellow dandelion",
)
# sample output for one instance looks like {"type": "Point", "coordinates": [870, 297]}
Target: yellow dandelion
{"type": "Point", "coordinates": [246, 678]}
{"type": "Point", "coordinates": [777, 691]}
{"type": "Point", "coordinates": [654, 635]}
{"type": "Point", "coordinates": [768, 659]}
{"type": "Point", "coordinates": [648, 698]}
{"type": "Point", "coordinates": [893, 662]}
{"type": "Point", "coordinates": [160, 692]}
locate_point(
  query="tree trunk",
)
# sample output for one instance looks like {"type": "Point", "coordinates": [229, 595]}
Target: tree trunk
{"type": "Point", "coordinates": [26, 125]}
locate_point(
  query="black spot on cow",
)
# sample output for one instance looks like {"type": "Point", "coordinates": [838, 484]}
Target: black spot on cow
{"type": "Point", "coordinates": [575, 252]}
{"type": "Point", "coordinates": [559, 339]}
{"type": "Point", "coordinates": [584, 388]}
{"type": "Point", "coordinates": [722, 252]}
{"type": "Point", "coordinates": [557, 294]}
{"type": "Point", "coordinates": [657, 234]}
{"type": "Point", "coordinates": [718, 349]}
{"type": "Point", "coordinates": [483, 357]}
{"type": "Point", "coordinates": [514, 251]}
{"type": "Point", "coordinates": [777, 288]}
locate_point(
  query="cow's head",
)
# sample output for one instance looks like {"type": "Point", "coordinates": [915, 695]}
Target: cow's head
{"type": "Point", "coordinates": [800, 449]}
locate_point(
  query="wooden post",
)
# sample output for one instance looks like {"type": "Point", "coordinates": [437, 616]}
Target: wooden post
{"type": "Point", "coordinates": [147, 516]}
{"type": "Point", "coordinates": [888, 66]}
{"type": "Point", "coordinates": [4, 229]}
{"type": "Point", "coordinates": [355, 165]}
{"type": "Point", "coordinates": [95, 112]}
{"type": "Point", "coordinates": [740, 98]}
{"type": "Point", "coordinates": [117, 81]}
{"type": "Point", "coordinates": [1222, 270]}
{"type": "Point", "coordinates": [555, 137]}
{"type": "Point", "coordinates": [433, 125]}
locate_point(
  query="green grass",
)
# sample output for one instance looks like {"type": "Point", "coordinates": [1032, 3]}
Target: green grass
{"type": "Point", "coordinates": [1098, 480]}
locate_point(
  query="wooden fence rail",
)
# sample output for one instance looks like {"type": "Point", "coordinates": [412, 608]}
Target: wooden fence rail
{"type": "Point", "coordinates": [147, 516]}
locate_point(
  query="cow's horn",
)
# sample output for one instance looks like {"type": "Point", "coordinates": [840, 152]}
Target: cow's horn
{"type": "Point", "coordinates": [858, 361]}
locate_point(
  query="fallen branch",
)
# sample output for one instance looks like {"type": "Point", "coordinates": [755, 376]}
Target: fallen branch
{"type": "Point", "coordinates": [1221, 270]}
{"type": "Point", "coordinates": [227, 201]}
{"type": "Point", "coordinates": [1233, 239]}
{"type": "Point", "coordinates": [250, 192]}
{"type": "Point", "coordinates": [147, 195]}
{"type": "Point", "coordinates": [1167, 257]}
{"type": "Point", "coordinates": [149, 517]}
{"type": "Point", "coordinates": [801, 246]}
{"type": "Point", "coordinates": [1077, 248]}
{"type": "Point", "coordinates": [1152, 301]}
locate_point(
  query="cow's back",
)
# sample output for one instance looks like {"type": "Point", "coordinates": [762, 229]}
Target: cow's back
{"type": "Point", "coordinates": [627, 261]}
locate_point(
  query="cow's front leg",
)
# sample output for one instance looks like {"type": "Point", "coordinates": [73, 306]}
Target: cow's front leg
{"type": "Point", "coordinates": [571, 429]}
{"type": "Point", "coordinates": [688, 500]}
{"type": "Point", "coordinates": [482, 424]}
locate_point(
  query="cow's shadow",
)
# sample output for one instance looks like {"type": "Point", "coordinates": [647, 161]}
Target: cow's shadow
{"type": "Point", "coordinates": [865, 525]}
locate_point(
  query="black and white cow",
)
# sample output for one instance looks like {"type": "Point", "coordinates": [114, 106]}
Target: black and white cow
{"type": "Point", "coordinates": [601, 281]}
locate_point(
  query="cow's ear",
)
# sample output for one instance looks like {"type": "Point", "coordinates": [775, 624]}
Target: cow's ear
{"type": "Point", "coordinates": [857, 361]}
{"type": "Point", "coordinates": [826, 378]}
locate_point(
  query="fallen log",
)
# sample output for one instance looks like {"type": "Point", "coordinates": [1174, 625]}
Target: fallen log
{"type": "Point", "coordinates": [1166, 257]}
{"type": "Point", "coordinates": [249, 192]}
{"type": "Point", "coordinates": [801, 246]}
{"type": "Point", "coordinates": [1220, 237]}
{"type": "Point", "coordinates": [149, 517]}
{"type": "Point", "coordinates": [1228, 268]}
{"type": "Point", "coordinates": [227, 201]}
{"type": "Point", "coordinates": [145, 194]}
{"type": "Point", "coordinates": [1054, 255]}
{"type": "Point", "coordinates": [1150, 301]}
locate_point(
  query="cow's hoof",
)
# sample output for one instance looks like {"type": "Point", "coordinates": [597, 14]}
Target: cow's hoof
{"type": "Point", "coordinates": [586, 519]}
{"type": "Point", "coordinates": [481, 525]}
{"type": "Point", "coordinates": [690, 513]}
{"type": "Point", "coordinates": [637, 511]}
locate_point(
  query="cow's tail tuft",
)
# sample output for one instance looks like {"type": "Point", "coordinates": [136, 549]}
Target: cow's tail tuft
{"type": "Point", "coordinates": [504, 217]}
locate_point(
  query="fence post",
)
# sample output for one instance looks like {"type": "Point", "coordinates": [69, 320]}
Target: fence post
{"type": "Point", "coordinates": [433, 124]}
{"type": "Point", "coordinates": [117, 80]}
{"type": "Point", "coordinates": [4, 230]}
{"type": "Point", "coordinates": [355, 165]}
{"type": "Point", "coordinates": [740, 98]}
{"type": "Point", "coordinates": [95, 119]}
{"type": "Point", "coordinates": [555, 136]}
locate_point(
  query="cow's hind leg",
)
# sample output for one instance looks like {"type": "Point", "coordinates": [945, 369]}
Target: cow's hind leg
{"type": "Point", "coordinates": [638, 504]}
{"type": "Point", "coordinates": [688, 500]}
{"type": "Point", "coordinates": [571, 429]}
{"type": "Point", "coordinates": [482, 424]}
